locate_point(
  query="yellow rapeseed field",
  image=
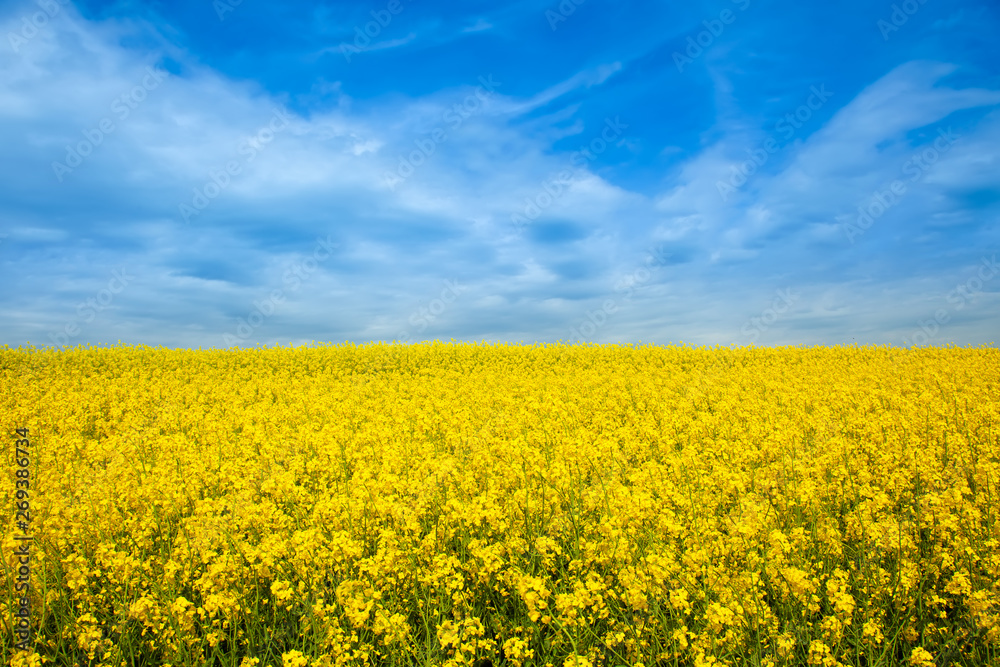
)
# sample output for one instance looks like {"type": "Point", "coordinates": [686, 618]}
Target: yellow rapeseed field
{"type": "Point", "coordinates": [552, 505]}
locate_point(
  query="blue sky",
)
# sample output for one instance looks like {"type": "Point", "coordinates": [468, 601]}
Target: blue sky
{"type": "Point", "coordinates": [208, 174]}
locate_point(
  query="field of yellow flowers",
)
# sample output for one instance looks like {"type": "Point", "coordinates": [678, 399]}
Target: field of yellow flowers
{"type": "Point", "coordinates": [448, 504]}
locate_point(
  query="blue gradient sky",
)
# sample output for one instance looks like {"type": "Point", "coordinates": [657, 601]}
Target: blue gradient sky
{"type": "Point", "coordinates": [197, 173]}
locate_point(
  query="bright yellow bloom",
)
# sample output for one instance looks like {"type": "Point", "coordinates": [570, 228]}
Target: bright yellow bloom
{"type": "Point", "coordinates": [920, 657]}
{"type": "Point", "coordinates": [294, 659]}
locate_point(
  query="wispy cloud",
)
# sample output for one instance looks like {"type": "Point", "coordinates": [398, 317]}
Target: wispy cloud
{"type": "Point", "coordinates": [479, 26]}
{"type": "Point", "coordinates": [583, 79]}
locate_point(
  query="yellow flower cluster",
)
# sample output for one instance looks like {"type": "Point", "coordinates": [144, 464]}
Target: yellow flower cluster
{"type": "Point", "coordinates": [439, 504]}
